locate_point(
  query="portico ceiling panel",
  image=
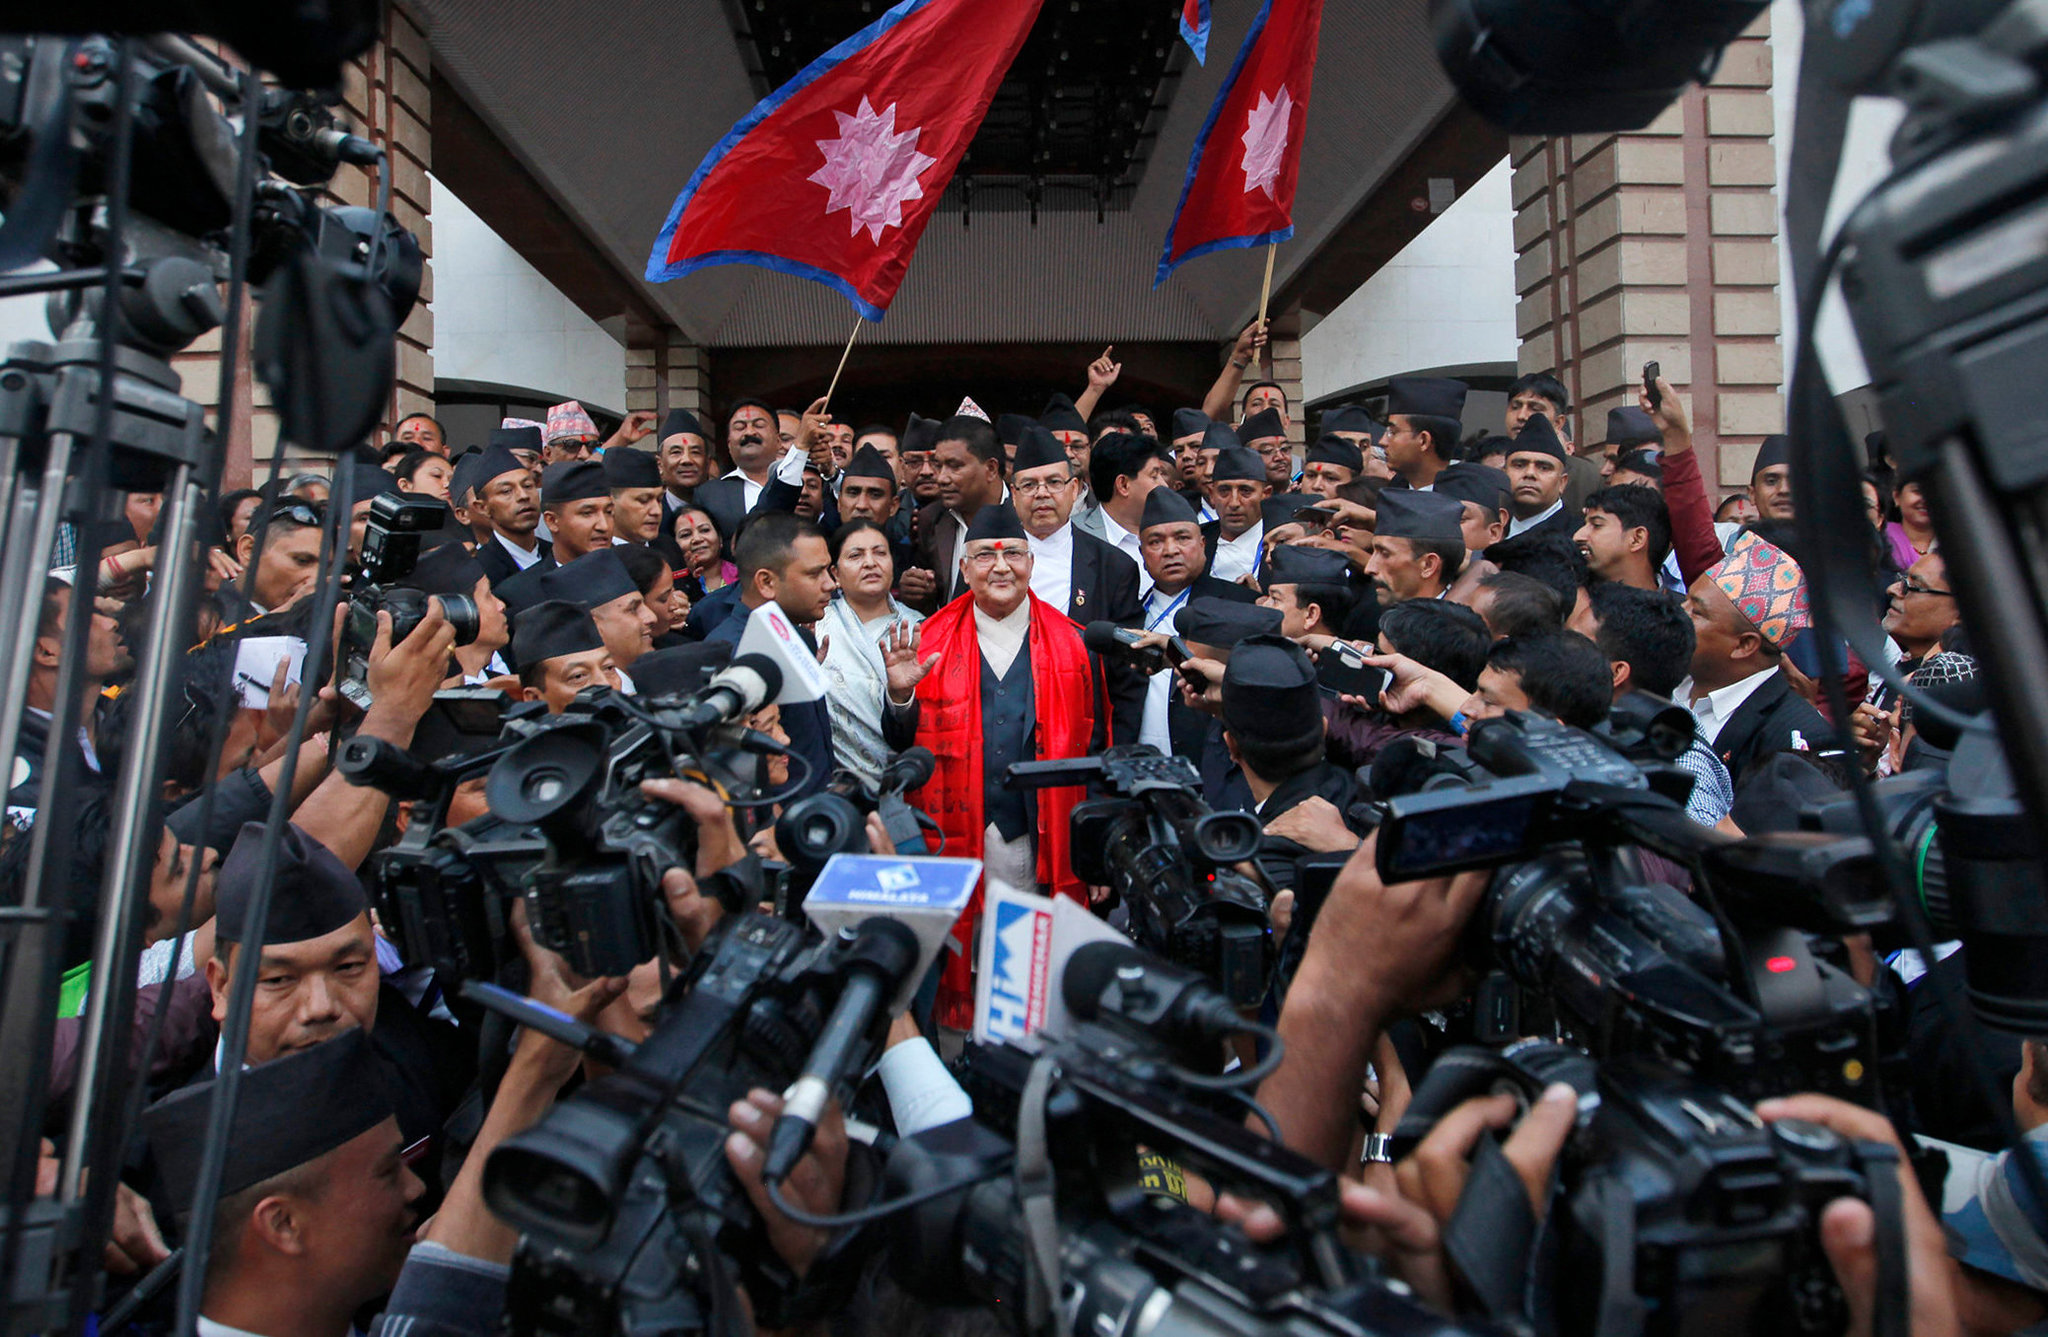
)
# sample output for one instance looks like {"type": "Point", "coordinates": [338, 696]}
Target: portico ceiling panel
{"type": "Point", "coordinates": [612, 105]}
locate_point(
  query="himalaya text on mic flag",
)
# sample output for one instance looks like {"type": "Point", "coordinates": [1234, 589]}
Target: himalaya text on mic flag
{"type": "Point", "coordinates": [1239, 189]}
{"type": "Point", "coordinates": [833, 176]}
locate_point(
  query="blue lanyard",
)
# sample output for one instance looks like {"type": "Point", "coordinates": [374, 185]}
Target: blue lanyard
{"type": "Point", "coordinates": [1152, 624]}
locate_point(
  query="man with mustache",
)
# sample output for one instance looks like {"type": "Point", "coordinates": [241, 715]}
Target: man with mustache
{"type": "Point", "coordinates": [753, 440]}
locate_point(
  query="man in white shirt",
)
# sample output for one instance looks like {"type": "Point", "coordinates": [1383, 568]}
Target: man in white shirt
{"type": "Point", "coordinates": [510, 497]}
{"type": "Point", "coordinates": [1745, 610]}
{"type": "Point", "coordinates": [1123, 469]}
{"type": "Point", "coordinates": [968, 458]}
{"type": "Point", "coordinates": [1536, 479]}
{"type": "Point", "coordinates": [1236, 538]}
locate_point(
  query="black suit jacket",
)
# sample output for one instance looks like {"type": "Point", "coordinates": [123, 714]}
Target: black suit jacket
{"type": "Point", "coordinates": [498, 564]}
{"type": "Point", "coordinates": [1103, 587]}
{"type": "Point", "coordinates": [1764, 724]}
{"type": "Point", "coordinates": [725, 501]}
{"type": "Point", "coordinates": [1546, 552]}
{"type": "Point", "coordinates": [926, 530]}
{"type": "Point", "coordinates": [1187, 727]}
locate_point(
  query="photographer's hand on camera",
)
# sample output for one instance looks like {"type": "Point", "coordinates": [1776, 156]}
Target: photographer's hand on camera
{"type": "Point", "coordinates": [1848, 1228]}
{"type": "Point", "coordinates": [814, 1186]}
{"type": "Point", "coordinates": [1315, 825]}
{"type": "Point", "coordinates": [1376, 953]}
{"type": "Point", "coordinates": [718, 839]}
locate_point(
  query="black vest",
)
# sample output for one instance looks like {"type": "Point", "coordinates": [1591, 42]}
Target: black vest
{"type": "Point", "coordinates": [1008, 721]}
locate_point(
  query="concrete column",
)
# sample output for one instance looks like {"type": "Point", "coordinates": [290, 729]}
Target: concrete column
{"type": "Point", "coordinates": [1661, 245]}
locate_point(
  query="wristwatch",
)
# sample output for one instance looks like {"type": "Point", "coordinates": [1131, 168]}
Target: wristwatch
{"type": "Point", "coordinates": [1379, 1149]}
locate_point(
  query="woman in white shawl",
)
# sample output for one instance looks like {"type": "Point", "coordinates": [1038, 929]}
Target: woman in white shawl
{"type": "Point", "coordinates": [856, 620]}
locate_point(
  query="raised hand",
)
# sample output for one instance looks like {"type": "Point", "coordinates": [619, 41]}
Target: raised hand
{"type": "Point", "coordinates": [1102, 372]}
{"type": "Point", "coordinates": [905, 669]}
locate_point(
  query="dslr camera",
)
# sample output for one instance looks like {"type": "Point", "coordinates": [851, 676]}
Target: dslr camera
{"type": "Point", "coordinates": [391, 548]}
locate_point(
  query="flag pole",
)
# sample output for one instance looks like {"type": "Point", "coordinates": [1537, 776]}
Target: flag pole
{"type": "Point", "coordinates": [857, 323]}
{"type": "Point", "coordinates": [1265, 296]}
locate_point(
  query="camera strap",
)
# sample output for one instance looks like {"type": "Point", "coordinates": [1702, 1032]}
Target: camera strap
{"type": "Point", "coordinates": [1491, 1235]}
{"type": "Point", "coordinates": [1892, 1314]}
{"type": "Point", "coordinates": [1608, 1210]}
{"type": "Point", "coordinates": [1034, 1179]}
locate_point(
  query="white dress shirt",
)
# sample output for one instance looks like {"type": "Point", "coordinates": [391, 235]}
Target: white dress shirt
{"type": "Point", "coordinates": [1127, 543]}
{"type": "Point", "coordinates": [1517, 526]}
{"type": "Point", "coordinates": [750, 491]}
{"type": "Point", "coordinates": [1239, 556]}
{"type": "Point", "coordinates": [1713, 709]}
{"type": "Point", "coordinates": [1162, 612]}
{"type": "Point", "coordinates": [524, 557]}
{"type": "Point", "coordinates": [1052, 566]}
{"type": "Point", "coordinates": [1002, 638]}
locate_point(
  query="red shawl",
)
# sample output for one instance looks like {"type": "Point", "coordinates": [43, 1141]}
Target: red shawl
{"type": "Point", "coordinates": [949, 723]}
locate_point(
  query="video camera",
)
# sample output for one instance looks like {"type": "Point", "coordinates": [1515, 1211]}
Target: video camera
{"type": "Point", "coordinates": [1160, 850]}
{"type": "Point", "coordinates": [568, 829]}
{"type": "Point", "coordinates": [391, 548]}
{"type": "Point", "coordinates": [1067, 1217]}
{"type": "Point", "coordinates": [1723, 986]}
{"type": "Point", "coordinates": [1679, 1206]}
{"type": "Point", "coordinates": [631, 1218]}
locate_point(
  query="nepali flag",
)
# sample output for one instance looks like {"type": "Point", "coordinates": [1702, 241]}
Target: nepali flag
{"type": "Point", "coordinates": [1240, 184]}
{"type": "Point", "coordinates": [1194, 28]}
{"type": "Point", "coordinates": [834, 175]}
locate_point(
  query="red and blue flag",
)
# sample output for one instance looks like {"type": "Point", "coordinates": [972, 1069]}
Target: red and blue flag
{"type": "Point", "coordinates": [1194, 28]}
{"type": "Point", "coordinates": [1240, 184]}
{"type": "Point", "coordinates": [833, 176]}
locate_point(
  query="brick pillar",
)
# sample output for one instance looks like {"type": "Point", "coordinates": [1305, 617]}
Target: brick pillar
{"type": "Point", "coordinates": [665, 371]}
{"type": "Point", "coordinates": [384, 99]}
{"type": "Point", "coordinates": [1661, 245]}
{"type": "Point", "coordinates": [1283, 348]}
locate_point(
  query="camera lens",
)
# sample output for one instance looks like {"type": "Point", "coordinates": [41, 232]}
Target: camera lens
{"type": "Point", "coordinates": [461, 612]}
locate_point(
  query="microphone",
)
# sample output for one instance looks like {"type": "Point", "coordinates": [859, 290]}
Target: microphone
{"type": "Point", "coordinates": [909, 769]}
{"type": "Point", "coordinates": [883, 955]}
{"type": "Point", "coordinates": [1114, 981]}
{"type": "Point", "coordinates": [1117, 642]}
{"type": "Point", "coordinates": [769, 632]}
{"type": "Point", "coordinates": [740, 688]}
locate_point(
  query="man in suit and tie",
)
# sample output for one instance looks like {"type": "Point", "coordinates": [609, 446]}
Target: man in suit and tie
{"type": "Point", "coordinates": [753, 440]}
{"type": "Point", "coordinates": [684, 454]}
{"type": "Point", "coordinates": [1745, 610]}
{"type": "Point", "coordinates": [1123, 470]}
{"type": "Point", "coordinates": [1073, 571]}
{"type": "Point", "coordinates": [1177, 563]}
{"type": "Point", "coordinates": [968, 458]}
{"type": "Point", "coordinates": [510, 499]}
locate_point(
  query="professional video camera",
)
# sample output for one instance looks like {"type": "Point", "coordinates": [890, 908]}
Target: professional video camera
{"type": "Point", "coordinates": [568, 829]}
{"type": "Point", "coordinates": [1059, 1223]}
{"type": "Point", "coordinates": [1724, 987]}
{"type": "Point", "coordinates": [1679, 1208]}
{"type": "Point", "coordinates": [1977, 868]}
{"type": "Point", "coordinates": [631, 1218]}
{"type": "Point", "coordinates": [1158, 848]}
{"type": "Point", "coordinates": [391, 548]}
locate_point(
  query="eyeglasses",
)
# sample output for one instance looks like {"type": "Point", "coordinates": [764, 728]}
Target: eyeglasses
{"type": "Point", "coordinates": [1034, 486]}
{"type": "Point", "coordinates": [982, 561]}
{"type": "Point", "coordinates": [309, 514]}
{"type": "Point", "coordinates": [1915, 587]}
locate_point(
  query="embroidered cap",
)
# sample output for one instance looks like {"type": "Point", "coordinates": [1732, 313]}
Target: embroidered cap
{"type": "Point", "coordinates": [1766, 586]}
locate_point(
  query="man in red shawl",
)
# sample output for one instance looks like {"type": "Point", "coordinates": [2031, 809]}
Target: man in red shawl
{"type": "Point", "coordinates": [997, 676]}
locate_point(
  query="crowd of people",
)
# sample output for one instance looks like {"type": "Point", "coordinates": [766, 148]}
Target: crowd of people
{"type": "Point", "coordinates": [943, 575]}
